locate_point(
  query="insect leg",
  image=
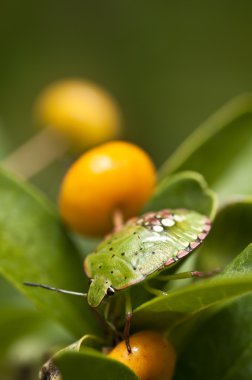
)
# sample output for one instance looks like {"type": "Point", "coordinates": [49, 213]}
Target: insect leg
{"type": "Point", "coordinates": [108, 322]}
{"type": "Point", "coordinates": [183, 275]}
{"type": "Point", "coordinates": [128, 318]}
{"type": "Point", "coordinates": [155, 292]}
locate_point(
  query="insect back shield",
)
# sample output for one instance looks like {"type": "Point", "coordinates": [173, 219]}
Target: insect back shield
{"type": "Point", "coordinates": [142, 248]}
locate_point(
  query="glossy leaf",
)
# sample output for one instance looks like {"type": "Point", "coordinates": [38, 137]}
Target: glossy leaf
{"type": "Point", "coordinates": [231, 232]}
{"type": "Point", "coordinates": [34, 247]}
{"type": "Point", "coordinates": [220, 149]}
{"type": "Point", "coordinates": [91, 365]}
{"type": "Point", "coordinates": [221, 348]}
{"type": "Point", "coordinates": [173, 312]}
{"type": "Point", "coordinates": [19, 322]}
{"type": "Point", "coordinates": [184, 190]}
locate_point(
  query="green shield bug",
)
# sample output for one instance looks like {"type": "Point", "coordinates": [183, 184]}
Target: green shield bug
{"type": "Point", "coordinates": [140, 250]}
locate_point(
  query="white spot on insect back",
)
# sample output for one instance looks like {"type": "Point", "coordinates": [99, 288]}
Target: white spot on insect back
{"type": "Point", "coordinates": [157, 228]}
{"type": "Point", "coordinates": [167, 222]}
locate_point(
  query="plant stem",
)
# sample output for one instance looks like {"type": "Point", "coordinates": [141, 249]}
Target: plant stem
{"type": "Point", "coordinates": [35, 154]}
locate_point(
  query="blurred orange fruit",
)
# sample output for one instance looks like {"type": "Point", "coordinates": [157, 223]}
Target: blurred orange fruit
{"type": "Point", "coordinates": [114, 176]}
{"type": "Point", "coordinates": [81, 111]}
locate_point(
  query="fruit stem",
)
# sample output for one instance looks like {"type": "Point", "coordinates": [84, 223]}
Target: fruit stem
{"type": "Point", "coordinates": [118, 220]}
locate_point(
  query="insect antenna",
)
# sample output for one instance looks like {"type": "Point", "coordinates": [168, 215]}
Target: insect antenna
{"type": "Point", "coordinates": [55, 289]}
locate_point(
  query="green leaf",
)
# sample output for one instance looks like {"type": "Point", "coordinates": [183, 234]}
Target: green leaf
{"type": "Point", "coordinates": [15, 323]}
{"type": "Point", "coordinates": [34, 333]}
{"type": "Point", "coordinates": [4, 143]}
{"type": "Point", "coordinates": [34, 247]}
{"type": "Point", "coordinates": [241, 265]}
{"type": "Point", "coordinates": [20, 322]}
{"type": "Point", "coordinates": [181, 308]}
{"type": "Point", "coordinates": [184, 190]}
{"type": "Point", "coordinates": [221, 348]}
{"type": "Point", "coordinates": [231, 232]}
{"type": "Point", "coordinates": [91, 365]}
{"type": "Point", "coordinates": [220, 149]}
{"type": "Point", "coordinates": [10, 297]}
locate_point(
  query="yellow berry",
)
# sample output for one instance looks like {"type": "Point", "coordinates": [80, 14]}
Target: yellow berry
{"type": "Point", "coordinates": [79, 110]}
{"type": "Point", "coordinates": [114, 176]}
{"type": "Point", "coordinates": [152, 356]}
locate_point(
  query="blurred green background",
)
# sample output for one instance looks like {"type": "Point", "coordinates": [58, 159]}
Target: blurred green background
{"type": "Point", "coordinates": [169, 64]}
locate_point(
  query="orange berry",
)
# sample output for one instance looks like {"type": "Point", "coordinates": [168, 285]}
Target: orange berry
{"type": "Point", "coordinates": [116, 175]}
{"type": "Point", "coordinates": [79, 110]}
{"type": "Point", "coordinates": [152, 356]}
